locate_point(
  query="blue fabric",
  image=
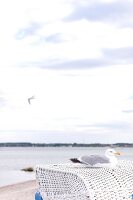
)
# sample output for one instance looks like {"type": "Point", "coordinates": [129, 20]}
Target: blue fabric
{"type": "Point", "coordinates": [38, 196]}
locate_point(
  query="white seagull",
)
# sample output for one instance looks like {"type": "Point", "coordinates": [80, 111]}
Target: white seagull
{"type": "Point", "coordinates": [107, 160]}
{"type": "Point", "coordinates": [29, 99]}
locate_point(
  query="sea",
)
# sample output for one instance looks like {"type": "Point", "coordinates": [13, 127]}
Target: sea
{"type": "Point", "coordinates": [13, 159]}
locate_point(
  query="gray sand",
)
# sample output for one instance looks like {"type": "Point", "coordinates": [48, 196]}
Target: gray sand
{"type": "Point", "coordinates": [20, 191]}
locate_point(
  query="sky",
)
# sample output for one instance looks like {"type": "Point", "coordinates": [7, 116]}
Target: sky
{"type": "Point", "coordinates": [76, 58]}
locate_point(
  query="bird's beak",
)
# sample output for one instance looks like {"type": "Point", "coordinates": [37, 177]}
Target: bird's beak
{"type": "Point", "coordinates": [117, 153]}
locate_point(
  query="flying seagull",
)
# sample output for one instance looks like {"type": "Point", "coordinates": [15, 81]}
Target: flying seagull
{"type": "Point", "coordinates": [107, 160]}
{"type": "Point", "coordinates": [29, 99]}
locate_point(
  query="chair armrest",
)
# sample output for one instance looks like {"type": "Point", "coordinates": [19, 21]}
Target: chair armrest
{"type": "Point", "coordinates": [60, 185]}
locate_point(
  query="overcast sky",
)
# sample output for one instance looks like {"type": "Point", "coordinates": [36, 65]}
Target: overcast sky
{"type": "Point", "coordinates": [76, 58]}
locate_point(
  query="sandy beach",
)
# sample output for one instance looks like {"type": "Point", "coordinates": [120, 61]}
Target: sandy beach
{"type": "Point", "coordinates": [21, 191]}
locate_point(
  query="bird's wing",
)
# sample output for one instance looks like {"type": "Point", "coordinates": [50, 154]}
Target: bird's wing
{"type": "Point", "coordinates": [29, 99]}
{"type": "Point", "coordinates": [94, 159]}
{"type": "Point", "coordinates": [33, 97]}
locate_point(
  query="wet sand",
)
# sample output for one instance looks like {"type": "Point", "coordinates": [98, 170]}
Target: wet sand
{"type": "Point", "coordinates": [21, 191]}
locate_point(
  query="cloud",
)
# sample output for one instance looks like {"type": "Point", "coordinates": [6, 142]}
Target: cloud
{"type": "Point", "coordinates": [120, 12]}
{"type": "Point", "coordinates": [128, 111]}
{"type": "Point", "coordinates": [68, 65]}
{"type": "Point", "coordinates": [55, 38]}
{"type": "Point", "coordinates": [30, 30]}
{"type": "Point", "coordinates": [59, 37]}
{"type": "Point", "coordinates": [78, 64]}
{"type": "Point", "coordinates": [3, 102]}
{"type": "Point", "coordinates": [120, 55]}
{"type": "Point", "coordinates": [110, 126]}
{"type": "Point", "coordinates": [110, 57]}
{"type": "Point", "coordinates": [130, 98]}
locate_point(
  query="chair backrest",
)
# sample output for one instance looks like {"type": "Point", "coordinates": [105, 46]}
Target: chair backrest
{"type": "Point", "coordinates": [79, 182]}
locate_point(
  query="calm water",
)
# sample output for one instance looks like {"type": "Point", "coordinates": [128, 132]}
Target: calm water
{"type": "Point", "coordinates": [12, 160]}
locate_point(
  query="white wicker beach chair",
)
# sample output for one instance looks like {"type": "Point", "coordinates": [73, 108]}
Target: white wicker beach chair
{"type": "Point", "coordinates": [79, 182]}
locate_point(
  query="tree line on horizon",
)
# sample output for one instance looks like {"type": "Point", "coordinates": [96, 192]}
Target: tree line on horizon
{"type": "Point", "coordinates": [28, 144]}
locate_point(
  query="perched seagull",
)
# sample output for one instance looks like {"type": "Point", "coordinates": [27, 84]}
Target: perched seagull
{"type": "Point", "coordinates": [29, 99]}
{"type": "Point", "coordinates": [107, 160]}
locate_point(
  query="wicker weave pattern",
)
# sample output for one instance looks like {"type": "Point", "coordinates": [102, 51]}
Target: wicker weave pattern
{"type": "Point", "coordinates": [79, 182]}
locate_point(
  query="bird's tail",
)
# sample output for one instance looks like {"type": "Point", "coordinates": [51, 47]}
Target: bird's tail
{"type": "Point", "coordinates": [75, 160]}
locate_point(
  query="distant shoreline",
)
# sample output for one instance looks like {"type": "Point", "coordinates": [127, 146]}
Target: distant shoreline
{"type": "Point", "coordinates": [27, 144]}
